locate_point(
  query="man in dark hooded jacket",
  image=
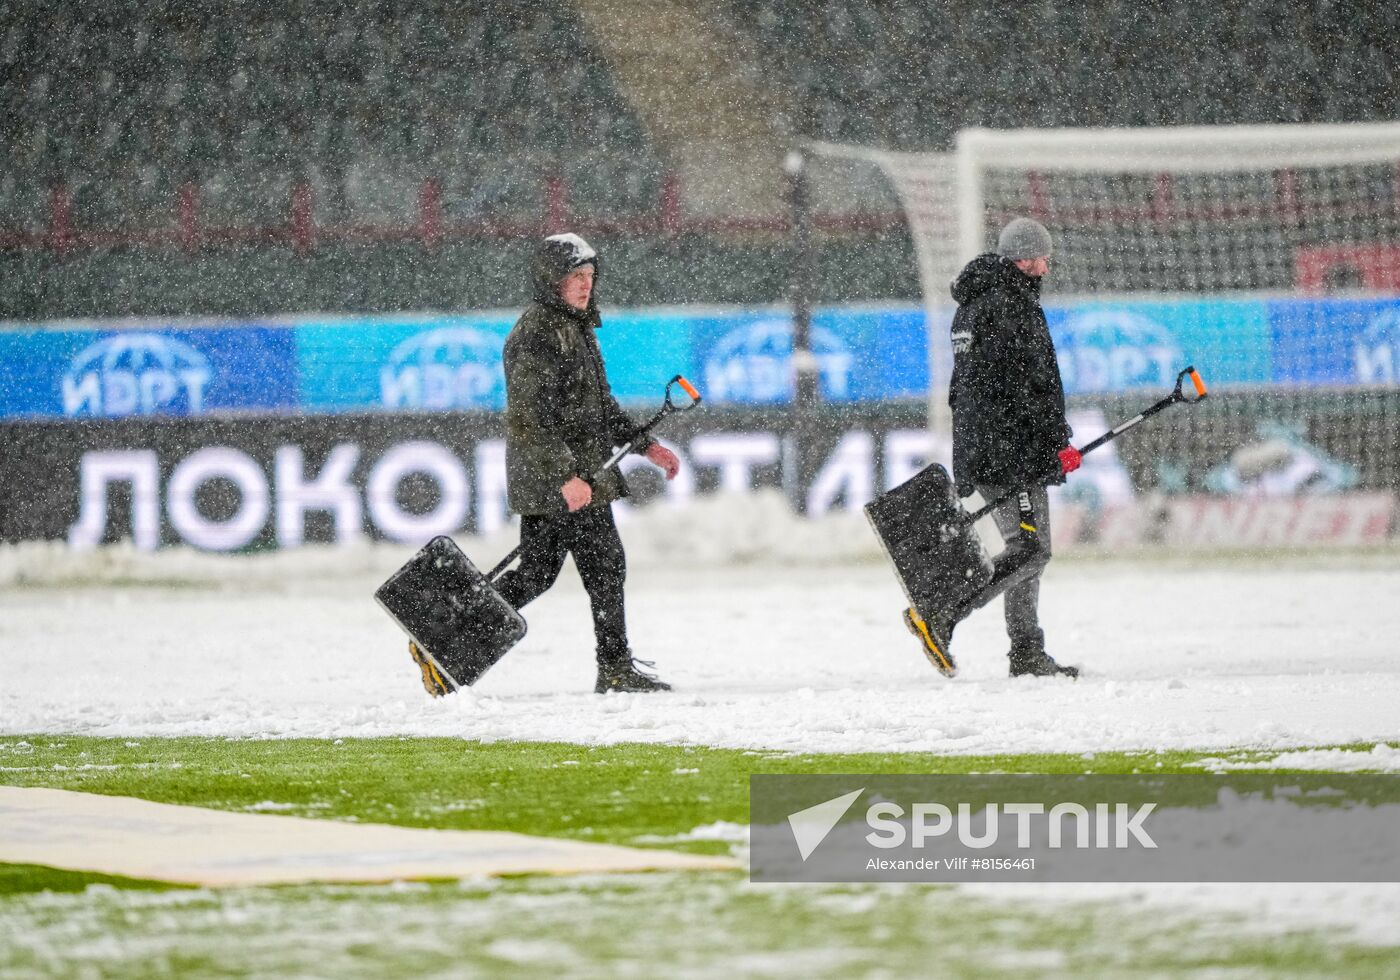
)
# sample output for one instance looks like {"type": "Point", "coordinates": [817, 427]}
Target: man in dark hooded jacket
{"type": "Point", "coordinates": [1009, 428]}
{"type": "Point", "coordinates": [562, 424]}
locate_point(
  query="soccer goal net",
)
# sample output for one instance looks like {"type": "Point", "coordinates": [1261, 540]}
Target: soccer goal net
{"type": "Point", "coordinates": [1268, 256]}
{"type": "Point", "coordinates": [1194, 210]}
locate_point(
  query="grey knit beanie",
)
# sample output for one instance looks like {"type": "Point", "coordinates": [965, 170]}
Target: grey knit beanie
{"type": "Point", "coordinates": [1023, 238]}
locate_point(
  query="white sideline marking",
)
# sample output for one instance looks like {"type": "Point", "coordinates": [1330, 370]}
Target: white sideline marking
{"type": "Point", "coordinates": [119, 835]}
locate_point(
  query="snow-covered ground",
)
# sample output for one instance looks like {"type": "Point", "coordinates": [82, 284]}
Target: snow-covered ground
{"type": "Point", "coordinates": [777, 633]}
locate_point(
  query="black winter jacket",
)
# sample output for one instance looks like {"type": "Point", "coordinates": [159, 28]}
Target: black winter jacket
{"type": "Point", "coordinates": [561, 417]}
{"type": "Point", "coordinates": [1007, 400]}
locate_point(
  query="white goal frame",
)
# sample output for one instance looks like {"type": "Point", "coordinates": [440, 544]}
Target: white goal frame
{"type": "Point", "coordinates": [944, 199]}
{"type": "Point", "coordinates": [1173, 149]}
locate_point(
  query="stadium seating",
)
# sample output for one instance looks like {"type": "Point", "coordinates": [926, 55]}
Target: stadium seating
{"type": "Point", "coordinates": [363, 100]}
{"type": "Point", "coordinates": [910, 75]}
{"type": "Point", "coordinates": [498, 113]}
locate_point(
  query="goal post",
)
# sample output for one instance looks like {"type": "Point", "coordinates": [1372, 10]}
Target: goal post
{"type": "Point", "coordinates": [1206, 211]}
{"type": "Point", "coordinates": [1267, 254]}
{"type": "Point", "coordinates": [1196, 210]}
{"type": "Point", "coordinates": [1192, 209]}
{"type": "Point", "coordinates": [927, 189]}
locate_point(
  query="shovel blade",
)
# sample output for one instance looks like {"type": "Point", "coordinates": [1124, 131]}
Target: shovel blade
{"type": "Point", "coordinates": [937, 555]}
{"type": "Point", "coordinates": [447, 606]}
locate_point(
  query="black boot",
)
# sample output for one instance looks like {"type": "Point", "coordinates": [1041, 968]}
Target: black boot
{"type": "Point", "coordinates": [624, 676]}
{"type": "Point", "coordinates": [1031, 660]}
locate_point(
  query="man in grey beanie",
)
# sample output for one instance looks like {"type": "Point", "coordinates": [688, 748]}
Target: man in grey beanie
{"type": "Point", "coordinates": [1024, 239]}
{"type": "Point", "coordinates": [1009, 434]}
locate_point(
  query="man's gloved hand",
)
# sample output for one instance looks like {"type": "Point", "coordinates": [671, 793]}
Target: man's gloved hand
{"type": "Point", "coordinates": [659, 455]}
{"type": "Point", "coordinates": [577, 493]}
{"type": "Point", "coordinates": [1070, 458]}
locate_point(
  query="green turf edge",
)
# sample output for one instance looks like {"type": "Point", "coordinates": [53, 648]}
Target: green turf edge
{"type": "Point", "coordinates": [19, 879]}
{"type": "Point", "coordinates": [629, 793]}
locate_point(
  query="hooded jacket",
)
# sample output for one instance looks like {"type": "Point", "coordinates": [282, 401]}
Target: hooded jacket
{"type": "Point", "coordinates": [1007, 399]}
{"type": "Point", "coordinates": [562, 420]}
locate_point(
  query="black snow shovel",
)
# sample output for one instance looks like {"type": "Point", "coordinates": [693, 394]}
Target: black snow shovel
{"type": "Point", "coordinates": [939, 558]}
{"type": "Point", "coordinates": [452, 612]}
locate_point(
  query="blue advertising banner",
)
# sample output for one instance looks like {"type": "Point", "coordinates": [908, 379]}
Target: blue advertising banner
{"type": "Point", "coordinates": [739, 356]}
{"type": "Point", "coordinates": [890, 349]}
{"type": "Point", "coordinates": [1107, 347]}
{"type": "Point", "coordinates": [643, 350]}
{"type": "Point", "coordinates": [1336, 342]}
{"type": "Point", "coordinates": [108, 373]}
{"type": "Point", "coordinates": [445, 362]}
{"type": "Point", "coordinates": [403, 363]}
{"type": "Point", "coordinates": [745, 357]}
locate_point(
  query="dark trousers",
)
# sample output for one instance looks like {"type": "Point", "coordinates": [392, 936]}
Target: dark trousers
{"type": "Point", "coordinates": [590, 535]}
{"type": "Point", "coordinates": [1024, 523]}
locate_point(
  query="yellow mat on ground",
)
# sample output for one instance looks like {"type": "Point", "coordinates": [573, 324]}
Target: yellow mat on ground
{"type": "Point", "coordinates": [119, 835]}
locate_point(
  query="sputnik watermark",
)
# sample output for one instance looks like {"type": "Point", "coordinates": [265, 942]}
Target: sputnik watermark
{"type": "Point", "coordinates": [1245, 827]}
{"type": "Point", "coordinates": [892, 826]}
{"type": "Point", "coordinates": [810, 826]}
{"type": "Point", "coordinates": [1112, 825]}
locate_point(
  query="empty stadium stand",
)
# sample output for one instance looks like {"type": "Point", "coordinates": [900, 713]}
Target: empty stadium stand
{"type": "Point", "coordinates": [165, 156]}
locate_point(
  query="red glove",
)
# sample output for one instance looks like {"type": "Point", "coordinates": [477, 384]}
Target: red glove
{"type": "Point", "coordinates": [659, 455]}
{"type": "Point", "coordinates": [1070, 458]}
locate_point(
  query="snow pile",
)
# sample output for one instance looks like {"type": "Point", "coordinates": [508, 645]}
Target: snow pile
{"type": "Point", "coordinates": [746, 529]}
{"type": "Point", "coordinates": [1363, 912]}
{"type": "Point", "coordinates": [717, 530]}
{"type": "Point", "coordinates": [724, 831]}
{"type": "Point", "coordinates": [1379, 758]}
{"type": "Point", "coordinates": [53, 563]}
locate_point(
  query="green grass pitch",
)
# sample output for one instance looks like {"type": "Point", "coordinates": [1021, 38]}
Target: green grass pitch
{"type": "Point", "coordinates": [59, 923]}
